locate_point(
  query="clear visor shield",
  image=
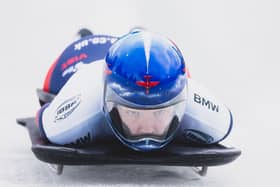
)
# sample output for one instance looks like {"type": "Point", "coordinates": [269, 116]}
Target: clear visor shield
{"type": "Point", "coordinates": [136, 124]}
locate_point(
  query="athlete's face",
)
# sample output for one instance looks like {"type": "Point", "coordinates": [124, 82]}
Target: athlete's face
{"type": "Point", "coordinates": [146, 122]}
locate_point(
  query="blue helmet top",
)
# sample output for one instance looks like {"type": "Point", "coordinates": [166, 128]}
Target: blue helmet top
{"type": "Point", "coordinates": [144, 90]}
{"type": "Point", "coordinates": [146, 69]}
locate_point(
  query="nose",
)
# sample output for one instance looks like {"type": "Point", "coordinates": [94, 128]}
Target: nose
{"type": "Point", "coordinates": [147, 124]}
{"type": "Point", "coordinates": [146, 129]}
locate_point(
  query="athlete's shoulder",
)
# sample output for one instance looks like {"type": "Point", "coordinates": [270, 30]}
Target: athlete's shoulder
{"type": "Point", "coordinates": [206, 119]}
{"type": "Point", "coordinates": [86, 50]}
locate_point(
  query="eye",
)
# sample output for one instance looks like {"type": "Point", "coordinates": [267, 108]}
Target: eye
{"type": "Point", "coordinates": [159, 113]}
{"type": "Point", "coordinates": [162, 113]}
{"type": "Point", "coordinates": [132, 113]}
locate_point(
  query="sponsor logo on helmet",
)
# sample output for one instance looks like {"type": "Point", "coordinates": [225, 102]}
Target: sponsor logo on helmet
{"type": "Point", "coordinates": [66, 108]}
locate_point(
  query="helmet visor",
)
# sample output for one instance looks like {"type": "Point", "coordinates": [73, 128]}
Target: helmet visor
{"type": "Point", "coordinates": [135, 124]}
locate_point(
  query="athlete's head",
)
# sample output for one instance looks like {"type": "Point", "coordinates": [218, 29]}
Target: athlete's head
{"type": "Point", "coordinates": [145, 87]}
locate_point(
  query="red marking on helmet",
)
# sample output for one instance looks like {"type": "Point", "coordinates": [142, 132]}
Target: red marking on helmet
{"type": "Point", "coordinates": [148, 84]}
{"type": "Point", "coordinates": [107, 70]}
{"type": "Point", "coordinates": [186, 70]}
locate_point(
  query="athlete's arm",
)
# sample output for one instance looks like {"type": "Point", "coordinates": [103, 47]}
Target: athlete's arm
{"type": "Point", "coordinates": [74, 112]}
{"type": "Point", "coordinates": [206, 119]}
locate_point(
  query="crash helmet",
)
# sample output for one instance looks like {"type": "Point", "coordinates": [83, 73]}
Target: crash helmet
{"type": "Point", "coordinates": [144, 90]}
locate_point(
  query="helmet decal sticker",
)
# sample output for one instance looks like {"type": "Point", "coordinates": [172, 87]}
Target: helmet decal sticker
{"type": "Point", "coordinates": [147, 83]}
{"type": "Point", "coordinates": [147, 38]}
